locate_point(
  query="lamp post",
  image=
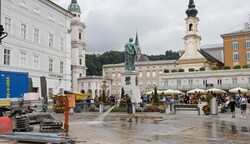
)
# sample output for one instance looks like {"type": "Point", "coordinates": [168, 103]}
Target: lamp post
{"type": "Point", "coordinates": [2, 33]}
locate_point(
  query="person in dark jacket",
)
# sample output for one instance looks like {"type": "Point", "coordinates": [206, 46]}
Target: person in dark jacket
{"type": "Point", "coordinates": [232, 105]}
{"type": "Point", "coordinates": [130, 108]}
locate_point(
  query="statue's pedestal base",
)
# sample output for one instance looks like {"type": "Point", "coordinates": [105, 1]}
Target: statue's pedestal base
{"type": "Point", "coordinates": [131, 85]}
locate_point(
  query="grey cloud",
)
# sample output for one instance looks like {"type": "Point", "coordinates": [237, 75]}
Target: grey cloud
{"type": "Point", "coordinates": [160, 23]}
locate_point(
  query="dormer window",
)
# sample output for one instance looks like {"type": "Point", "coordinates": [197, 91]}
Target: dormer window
{"type": "Point", "coordinates": [191, 27]}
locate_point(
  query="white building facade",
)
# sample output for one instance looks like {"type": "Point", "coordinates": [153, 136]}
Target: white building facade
{"type": "Point", "coordinates": [94, 86]}
{"type": "Point", "coordinates": [223, 79]}
{"type": "Point", "coordinates": [39, 42]}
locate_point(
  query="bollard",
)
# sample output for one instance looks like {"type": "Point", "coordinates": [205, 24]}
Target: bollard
{"type": "Point", "coordinates": [133, 108]}
{"type": "Point", "coordinates": [214, 106]}
{"type": "Point", "coordinates": [167, 110]}
{"type": "Point", "coordinates": [101, 107]}
{"type": "Point", "coordinates": [71, 110]}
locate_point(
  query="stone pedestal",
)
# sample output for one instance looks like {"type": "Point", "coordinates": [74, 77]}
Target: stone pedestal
{"type": "Point", "coordinates": [131, 85]}
{"type": "Point", "coordinates": [101, 105]}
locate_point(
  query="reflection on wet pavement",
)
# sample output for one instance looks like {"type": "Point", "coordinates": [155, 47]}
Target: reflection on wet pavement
{"type": "Point", "coordinates": [174, 130]}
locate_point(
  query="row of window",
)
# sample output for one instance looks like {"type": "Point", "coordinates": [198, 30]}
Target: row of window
{"type": "Point", "coordinates": [23, 61]}
{"type": "Point", "coordinates": [204, 82]}
{"type": "Point", "coordinates": [149, 74]}
{"type": "Point", "coordinates": [149, 84]}
{"type": "Point", "coordinates": [236, 56]}
{"type": "Point", "coordinates": [235, 45]}
{"type": "Point", "coordinates": [36, 10]}
{"type": "Point", "coordinates": [147, 67]}
{"type": "Point", "coordinates": [36, 33]}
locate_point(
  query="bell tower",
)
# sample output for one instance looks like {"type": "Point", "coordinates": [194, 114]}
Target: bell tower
{"type": "Point", "coordinates": [191, 40]}
{"type": "Point", "coordinates": [78, 45]}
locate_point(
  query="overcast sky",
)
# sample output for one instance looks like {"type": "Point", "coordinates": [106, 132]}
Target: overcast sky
{"type": "Point", "coordinates": [160, 23]}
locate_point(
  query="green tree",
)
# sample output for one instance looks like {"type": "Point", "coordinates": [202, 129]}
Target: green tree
{"type": "Point", "coordinates": [156, 99]}
{"type": "Point", "coordinates": [95, 62]}
{"type": "Point", "coordinates": [104, 99]}
{"type": "Point", "coordinates": [122, 93]}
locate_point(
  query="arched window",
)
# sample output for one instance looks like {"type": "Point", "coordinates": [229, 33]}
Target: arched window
{"type": "Point", "coordinates": [190, 27]}
{"type": "Point", "coordinates": [80, 35]}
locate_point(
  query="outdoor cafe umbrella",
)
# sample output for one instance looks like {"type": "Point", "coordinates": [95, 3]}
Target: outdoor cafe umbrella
{"type": "Point", "coordinates": [169, 91]}
{"type": "Point", "coordinates": [216, 90]}
{"type": "Point", "coordinates": [151, 92]}
{"type": "Point", "coordinates": [178, 92]}
{"type": "Point", "coordinates": [197, 90]}
{"type": "Point", "coordinates": [236, 90]}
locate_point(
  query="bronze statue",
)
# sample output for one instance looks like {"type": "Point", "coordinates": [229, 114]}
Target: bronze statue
{"type": "Point", "coordinates": [130, 54]}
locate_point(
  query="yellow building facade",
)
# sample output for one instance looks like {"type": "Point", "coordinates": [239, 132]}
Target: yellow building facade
{"type": "Point", "coordinates": [237, 47]}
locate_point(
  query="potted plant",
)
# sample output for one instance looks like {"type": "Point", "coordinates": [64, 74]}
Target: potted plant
{"type": "Point", "coordinates": [202, 69]}
{"type": "Point", "coordinates": [166, 71]}
{"type": "Point", "coordinates": [173, 70]}
{"type": "Point", "coordinates": [206, 109]}
{"type": "Point", "coordinates": [181, 70]}
{"type": "Point", "coordinates": [59, 109]}
{"type": "Point", "coordinates": [191, 69]}
{"type": "Point", "coordinates": [237, 67]}
{"type": "Point", "coordinates": [226, 67]}
{"type": "Point", "coordinates": [245, 66]}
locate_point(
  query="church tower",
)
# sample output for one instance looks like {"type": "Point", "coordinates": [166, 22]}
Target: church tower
{"type": "Point", "coordinates": [193, 57]}
{"type": "Point", "coordinates": [191, 40]}
{"type": "Point", "coordinates": [78, 45]}
{"type": "Point", "coordinates": [138, 48]}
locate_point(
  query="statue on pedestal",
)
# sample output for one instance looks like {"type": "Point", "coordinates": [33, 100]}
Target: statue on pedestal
{"type": "Point", "coordinates": [130, 53]}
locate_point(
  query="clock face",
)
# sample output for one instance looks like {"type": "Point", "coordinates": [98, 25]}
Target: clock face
{"type": "Point", "coordinates": [191, 49]}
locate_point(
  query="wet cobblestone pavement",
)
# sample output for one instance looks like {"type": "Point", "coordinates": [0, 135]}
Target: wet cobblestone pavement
{"type": "Point", "coordinates": [182, 128]}
{"type": "Point", "coordinates": [175, 129]}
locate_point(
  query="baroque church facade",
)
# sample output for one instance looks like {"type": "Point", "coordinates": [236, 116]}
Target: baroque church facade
{"type": "Point", "coordinates": [194, 69]}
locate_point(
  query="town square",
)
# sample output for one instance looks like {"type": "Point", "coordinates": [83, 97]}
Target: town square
{"type": "Point", "coordinates": [127, 72]}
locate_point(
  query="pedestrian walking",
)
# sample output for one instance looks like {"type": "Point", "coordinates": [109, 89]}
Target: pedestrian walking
{"type": "Point", "coordinates": [243, 106]}
{"type": "Point", "coordinates": [232, 105]}
{"type": "Point", "coordinates": [130, 108]}
{"type": "Point", "coordinates": [248, 102]}
{"type": "Point", "coordinates": [238, 97]}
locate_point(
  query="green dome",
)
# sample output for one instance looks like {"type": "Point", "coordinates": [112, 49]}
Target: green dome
{"type": "Point", "coordinates": [74, 7]}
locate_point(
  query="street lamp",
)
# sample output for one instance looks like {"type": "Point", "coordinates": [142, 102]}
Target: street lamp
{"type": "Point", "coordinates": [2, 33]}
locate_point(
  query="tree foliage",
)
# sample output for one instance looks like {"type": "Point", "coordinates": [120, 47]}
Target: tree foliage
{"type": "Point", "coordinates": [122, 93]}
{"type": "Point", "coordinates": [94, 62]}
{"type": "Point", "coordinates": [104, 99]}
{"type": "Point", "coordinates": [156, 99]}
{"type": "Point", "coordinates": [169, 55]}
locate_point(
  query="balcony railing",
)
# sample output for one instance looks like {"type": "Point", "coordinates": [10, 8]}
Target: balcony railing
{"type": "Point", "coordinates": [189, 87]}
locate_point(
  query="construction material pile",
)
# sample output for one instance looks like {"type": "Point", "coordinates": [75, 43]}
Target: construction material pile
{"type": "Point", "coordinates": [51, 126]}
{"type": "Point", "coordinates": [22, 124]}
